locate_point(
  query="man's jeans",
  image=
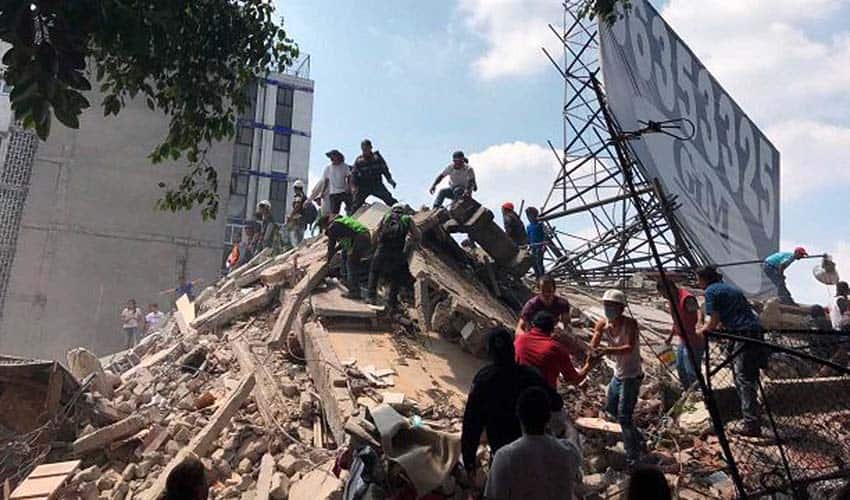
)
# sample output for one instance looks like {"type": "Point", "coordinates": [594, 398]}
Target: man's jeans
{"type": "Point", "coordinates": [622, 398]}
{"type": "Point", "coordinates": [687, 371]}
{"type": "Point", "coordinates": [338, 199]}
{"type": "Point", "coordinates": [537, 252]}
{"type": "Point", "coordinates": [378, 191]}
{"type": "Point", "coordinates": [296, 235]}
{"type": "Point", "coordinates": [390, 265]}
{"type": "Point", "coordinates": [450, 193]}
{"type": "Point", "coordinates": [132, 336]}
{"type": "Point", "coordinates": [777, 277]}
{"type": "Point", "coordinates": [746, 369]}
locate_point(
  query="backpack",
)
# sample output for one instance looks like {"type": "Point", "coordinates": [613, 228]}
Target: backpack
{"type": "Point", "coordinates": [309, 213]}
{"type": "Point", "coordinates": [393, 230]}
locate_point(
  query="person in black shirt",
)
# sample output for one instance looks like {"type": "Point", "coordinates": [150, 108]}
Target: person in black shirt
{"type": "Point", "coordinates": [513, 225]}
{"type": "Point", "coordinates": [367, 177]}
{"type": "Point", "coordinates": [491, 405]}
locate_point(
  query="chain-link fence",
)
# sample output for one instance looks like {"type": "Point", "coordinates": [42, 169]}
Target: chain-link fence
{"type": "Point", "coordinates": [784, 405]}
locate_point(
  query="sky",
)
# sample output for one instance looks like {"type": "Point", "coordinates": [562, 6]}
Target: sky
{"type": "Point", "coordinates": [422, 79]}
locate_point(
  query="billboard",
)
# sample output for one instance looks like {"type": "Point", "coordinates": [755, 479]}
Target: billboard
{"type": "Point", "coordinates": [726, 178]}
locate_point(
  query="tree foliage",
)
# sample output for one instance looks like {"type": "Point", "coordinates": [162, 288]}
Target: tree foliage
{"type": "Point", "coordinates": [604, 9]}
{"type": "Point", "coordinates": [190, 59]}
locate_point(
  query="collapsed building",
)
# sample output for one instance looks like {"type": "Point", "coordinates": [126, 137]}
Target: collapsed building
{"type": "Point", "coordinates": [276, 381]}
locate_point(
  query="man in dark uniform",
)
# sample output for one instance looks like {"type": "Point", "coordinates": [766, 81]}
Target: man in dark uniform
{"type": "Point", "coordinates": [367, 177]}
{"type": "Point", "coordinates": [390, 258]}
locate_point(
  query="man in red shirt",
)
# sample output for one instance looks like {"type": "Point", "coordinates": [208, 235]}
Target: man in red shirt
{"type": "Point", "coordinates": [688, 309]}
{"type": "Point", "coordinates": [538, 349]}
{"type": "Point", "coordinates": [559, 307]}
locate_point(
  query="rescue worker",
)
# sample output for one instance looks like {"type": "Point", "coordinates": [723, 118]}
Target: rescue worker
{"type": "Point", "coordinates": [336, 184]}
{"type": "Point", "coordinates": [367, 177]}
{"type": "Point", "coordinates": [461, 180]}
{"type": "Point", "coordinates": [726, 307]}
{"type": "Point", "coordinates": [296, 221]}
{"type": "Point", "coordinates": [621, 335]}
{"type": "Point", "coordinates": [774, 268]}
{"type": "Point", "coordinates": [513, 225]}
{"type": "Point", "coordinates": [353, 238]}
{"type": "Point", "coordinates": [688, 309]}
{"type": "Point", "coordinates": [559, 307]}
{"type": "Point", "coordinates": [390, 257]}
{"type": "Point", "coordinates": [536, 240]}
{"type": "Point", "coordinates": [269, 235]}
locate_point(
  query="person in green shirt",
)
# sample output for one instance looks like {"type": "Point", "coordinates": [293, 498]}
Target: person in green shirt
{"type": "Point", "coordinates": [354, 239]}
{"type": "Point", "coordinates": [389, 260]}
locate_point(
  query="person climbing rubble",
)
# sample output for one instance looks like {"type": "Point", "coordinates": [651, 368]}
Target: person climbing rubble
{"type": "Point", "coordinates": [559, 307]}
{"type": "Point", "coordinates": [461, 180]}
{"type": "Point", "coordinates": [687, 308]}
{"type": "Point", "coordinates": [774, 268]}
{"type": "Point", "coordinates": [492, 400]}
{"type": "Point", "coordinates": [728, 309]}
{"type": "Point", "coordinates": [336, 184]}
{"type": "Point", "coordinates": [513, 225]}
{"type": "Point", "coordinates": [537, 240]}
{"type": "Point", "coordinates": [535, 466]}
{"type": "Point", "coordinates": [354, 239]}
{"type": "Point", "coordinates": [390, 257]}
{"type": "Point", "coordinates": [269, 235]}
{"type": "Point", "coordinates": [839, 309]}
{"type": "Point", "coordinates": [297, 221]}
{"type": "Point", "coordinates": [620, 333]}
{"type": "Point", "coordinates": [367, 177]}
{"type": "Point", "coordinates": [539, 350]}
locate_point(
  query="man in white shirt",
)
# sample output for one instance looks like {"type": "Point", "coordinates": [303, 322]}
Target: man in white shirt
{"type": "Point", "coordinates": [461, 180]}
{"type": "Point", "coordinates": [536, 465]}
{"type": "Point", "coordinates": [335, 183]}
{"type": "Point", "coordinates": [153, 319]}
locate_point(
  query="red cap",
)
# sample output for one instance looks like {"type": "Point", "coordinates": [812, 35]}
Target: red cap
{"type": "Point", "coordinates": [508, 205]}
{"type": "Point", "coordinates": [800, 252]}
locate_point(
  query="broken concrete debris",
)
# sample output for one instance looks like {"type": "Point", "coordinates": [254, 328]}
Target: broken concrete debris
{"type": "Point", "coordinates": [270, 375]}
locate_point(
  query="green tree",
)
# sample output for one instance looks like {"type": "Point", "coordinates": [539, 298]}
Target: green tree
{"type": "Point", "coordinates": [190, 59]}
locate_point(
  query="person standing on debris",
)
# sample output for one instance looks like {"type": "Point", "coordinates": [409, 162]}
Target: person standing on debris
{"type": "Point", "coordinates": [296, 223]}
{"type": "Point", "coordinates": [839, 309]}
{"type": "Point", "coordinates": [132, 318]}
{"type": "Point", "coordinates": [246, 245]}
{"type": "Point", "coordinates": [461, 180]}
{"type": "Point", "coordinates": [390, 257]}
{"type": "Point", "coordinates": [726, 307]}
{"type": "Point", "coordinates": [353, 238]}
{"type": "Point", "coordinates": [539, 350]}
{"type": "Point", "coordinates": [153, 319]}
{"type": "Point", "coordinates": [559, 307]}
{"type": "Point", "coordinates": [687, 308]}
{"type": "Point", "coordinates": [536, 240]}
{"type": "Point", "coordinates": [367, 177]}
{"type": "Point", "coordinates": [269, 236]}
{"type": "Point", "coordinates": [621, 335]}
{"type": "Point", "coordinates": [535, 466]}
{"type": "Point", "coordinates": [491, 405]}
{"type": "Point", "coordinates": [336, 183]}
{"type": "Point", "coordinates": [187, 481]}
{"type": "Point", "coordinates": [774, 268]}
{"type": "Point", "coordinates": [513, 225]}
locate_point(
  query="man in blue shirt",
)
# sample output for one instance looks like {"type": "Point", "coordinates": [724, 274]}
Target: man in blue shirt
{"type": "Point", "coordinates": [728, 309]}
{"type": "Point", "coordinates": [536, 240]}
{"type": "Point", "coordinates": [774, 268]}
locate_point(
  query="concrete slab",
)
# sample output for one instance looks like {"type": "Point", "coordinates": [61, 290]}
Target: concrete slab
{"type": "Point", "coordinates": [330, 303]}
{"type": "Point", "coordinates": [434, 371]}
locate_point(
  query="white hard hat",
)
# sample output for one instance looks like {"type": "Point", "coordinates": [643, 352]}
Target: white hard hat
{"type": "Point", "coordinates": [298, 184]}
{"type": "Point", "coordinates": [264, 203]}
{"type": "Point", "coordinates": [616, 296]}
{"type": "Point", "coordinates": [399, 206]}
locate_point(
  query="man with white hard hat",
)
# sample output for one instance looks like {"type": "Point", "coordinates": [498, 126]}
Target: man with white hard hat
{"type": "Point", "coordinates": [620, 333]}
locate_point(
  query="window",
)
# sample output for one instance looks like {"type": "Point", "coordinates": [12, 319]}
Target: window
{"type": "Point", "coordinates": [281, 141]}
{"type": "Point", "coordinates": [283, 111]}
{"type": "Point", "coordinates": [241, 157]}
{"type": "Point", "coordinates": [249, 112]}
{"type": "Point", "coordinates": [245, 135]}
{"type": "Point", "coordinates": [239, 184]}
{"type": "Point", "coordinates": [277, 197]}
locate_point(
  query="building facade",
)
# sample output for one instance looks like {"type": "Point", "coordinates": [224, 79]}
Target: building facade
{"type": "Point", "coordinates": [79, 232]}
{"type": "Point", "coordinates": [272, 148]}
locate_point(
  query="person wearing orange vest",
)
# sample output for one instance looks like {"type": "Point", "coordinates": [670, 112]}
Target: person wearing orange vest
{"type": "Point", "coordinates": [688, 309]}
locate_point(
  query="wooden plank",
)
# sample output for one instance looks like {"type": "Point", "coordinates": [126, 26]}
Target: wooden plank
{"type": "Point", "coordinates": [598, 425]}
{"type": "Point", "coordinates": [224, 314]}
{"type": "Point", "coordinates": [316, 272]}
{"type": "Point", "coordinates": [264, 389]}
{"type": "Point", "coordinates": [55, 469]}
{"type": "Point", "coordinates": [201, 444]}
{"type": "Point", "coordinates": [110, 433]}
{"type": "Point", "coordinates": [264, 479]}
{"type": "Point", "coordinates": [45, 480]}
